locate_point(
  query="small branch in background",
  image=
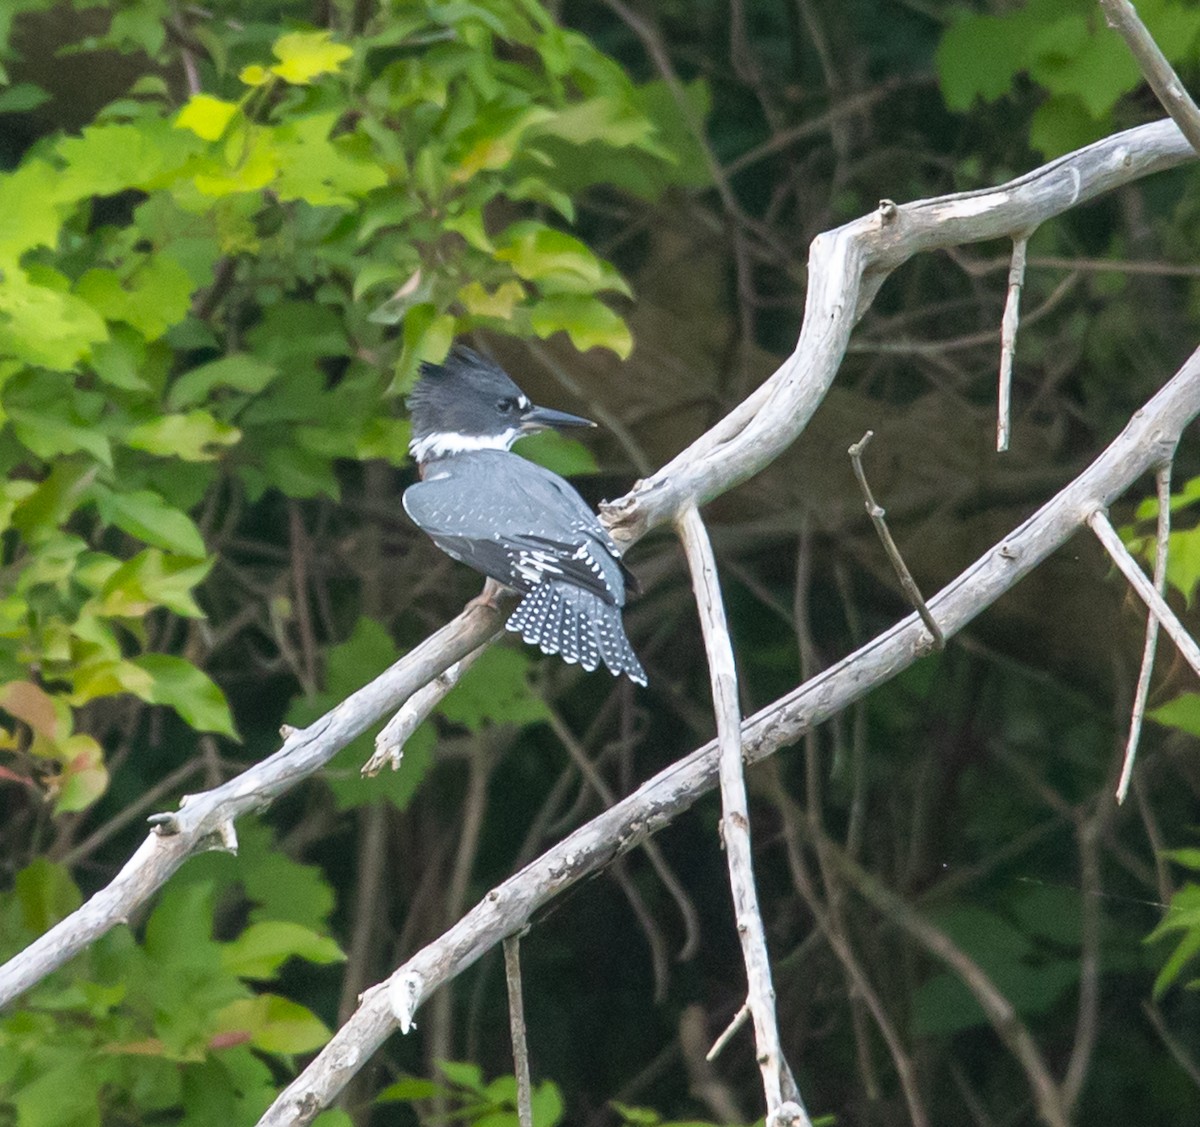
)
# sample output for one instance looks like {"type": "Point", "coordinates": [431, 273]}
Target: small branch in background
{"type": "Point", "coordinates": [1123, 18]}
{"type": "Point", "coordinates": [782, 1096]}
{"type": "Point", "coordinates": [836, 934]}
{"type": "Point", "coordinates": [178, 30]}
{"type": "Point", "coordinates": [516, 1025]}
{"type": "Point", "coordinates": [999, 1010]}
{"type": "Point", "coordinates": [1008, 339]}
{"type": "Point", "coordinates": [673, 885]}
{"type": "Point", "coordinates": [1162, 481]}
{"type": "Point", "coordinates": [369, 894]}
{"type": "Point", "coordinates": [877, 514]}
{"type": "Point", "coordinates": [1107, 535]}
{"type": "Point", "coordinates": [1177, 1050]}
{"type": "Point", "coordinates": [389, 744]}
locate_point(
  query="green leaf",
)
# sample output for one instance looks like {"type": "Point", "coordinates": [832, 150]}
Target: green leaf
{"type": "Point", "coordinates": [45, 326]}
{"type": "Point", "coordinates": [463, 1074]}
{"type": "Point", "coordinates": [188, 690]}
{"type": "Point", "coordinates": [118, 360]}
{"type": "Point", "coordinates": [321, 171]}
{"type": "Point", "coordinates": [110, 158]}
{"type": "Point", "coordinates": [151, 580]}
{"type": "Point", "coordinates": [264, 947]}
{"type": "Point", "coordinates": [586, 320]}
{"type": "Point", "coordinates": [547, 1105]}
{"type": "Point", "coordinates": [1183, 915]}
{"type": "Point", "coordinates": [84, 777]}
{"type": "Point", "coordinates": [409, 1089]}
{"type": "Point", "coordinates": [151, 298]}
{"type": "Point", "coordinates": [495, 690]}
{"type": "Point", "coordinates": [240, 371]}
{"type": "Point", "coordinates": [567, 457]}
{"type": "Point", "coordinates": [1188, 858]}
{"type": "Point", "coordinates": [46, 894]}
{"type": "Point", "coordinates": [274, 1024]}
{"type": "Point", "coordinates": [63, 1096]}
{"type": "Point", "coordinates": [206, 116]}
{"type": "Point", "coordinates": [305, 55]}
{"type": "Point", "coordinates": [192, 436]}
{"type": "Point", "coordinates": [144, 514]}
{"type": "Point", "coordinates": [1183, 713]}
{"type": "Point", "coordinates": [30, 211]}
{"type": "Point", "coordinates": [558, 262]}
{"type": "Point", "coordinates": [22, 97]}
{"type": "Point", "coordinates": [58, 429]}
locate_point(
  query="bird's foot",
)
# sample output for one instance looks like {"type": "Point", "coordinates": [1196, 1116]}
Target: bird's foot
{"type": "Point", "coordinates": [489, 597]}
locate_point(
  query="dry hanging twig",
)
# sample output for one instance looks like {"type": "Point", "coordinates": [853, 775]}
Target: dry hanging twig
{"type": "Point", "coordinates": [1162, 480]}
{"type": "Point", "coordinates": [516, 1025]}
{"type": "Point", "coordinates": [1008, 340]}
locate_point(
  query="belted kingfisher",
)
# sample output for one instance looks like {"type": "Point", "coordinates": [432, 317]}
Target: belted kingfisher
{"type": "Point", "coordinates": [510, 518]}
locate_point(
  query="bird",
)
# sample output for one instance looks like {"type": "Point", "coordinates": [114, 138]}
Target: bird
{"type": "Point", "coordinates": [518, 523]}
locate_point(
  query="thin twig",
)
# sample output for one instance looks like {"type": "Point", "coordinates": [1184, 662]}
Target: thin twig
{"type": "Point", "coordinates": [389, 744]}
{"type": "Point", "coordinates": [1162, 481]}
{"type": "Point", "coordinates": [1008, 339]}
{"type": "Point", "coordinates": [1107, 535]}
{"type": "Point", "coordinates": [877, 514]}
{"type": "Point", "coordinates": [739, 1019]}
{"type": "Point", "coordinates": [778, 1084]}
{"type": "Point", "coordinates": [516, 1025]}
{"type": "Point", "coordinates": [1122, 16]}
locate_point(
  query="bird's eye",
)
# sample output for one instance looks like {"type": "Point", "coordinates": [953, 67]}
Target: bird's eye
{"type": "Point", "coordinates": [506, 406]}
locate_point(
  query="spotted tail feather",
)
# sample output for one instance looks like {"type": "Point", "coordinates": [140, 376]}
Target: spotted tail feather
{"type": "Point", "coordinates": [579, 626]}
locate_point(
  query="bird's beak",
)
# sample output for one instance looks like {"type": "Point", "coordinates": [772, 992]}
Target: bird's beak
{"type": "Point", "coordinates": [542, 418]}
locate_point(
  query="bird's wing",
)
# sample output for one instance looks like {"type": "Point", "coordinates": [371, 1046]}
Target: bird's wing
{"type": "Point", "coordinates": [515, 521]}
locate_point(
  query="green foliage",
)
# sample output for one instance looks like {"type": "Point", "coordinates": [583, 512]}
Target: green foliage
{"type": "Point", "coordinates": [1066, 47]}
{"type": "Point", "coordinates": [1182, 917]}
{"type": "Point", "coordinates": [478, 1102]}
{"type": "Point", "coordinates": [162, 1025]}
{"type": "Point", "coordinates": [1032, 976]}
{"type": "Point", "coordinates": [230, 328]}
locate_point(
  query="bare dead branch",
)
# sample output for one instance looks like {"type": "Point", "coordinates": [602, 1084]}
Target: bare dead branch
{"type": "Point", "coordinates": [1162, 481]}
{"type": "Point", "coordinates": [846, 267]}
{"type": "Point", "coordinates": [778, 1085]}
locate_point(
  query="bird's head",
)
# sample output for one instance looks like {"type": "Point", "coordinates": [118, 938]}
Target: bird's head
{"type": "Point", "coordinates": [468, 403]}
